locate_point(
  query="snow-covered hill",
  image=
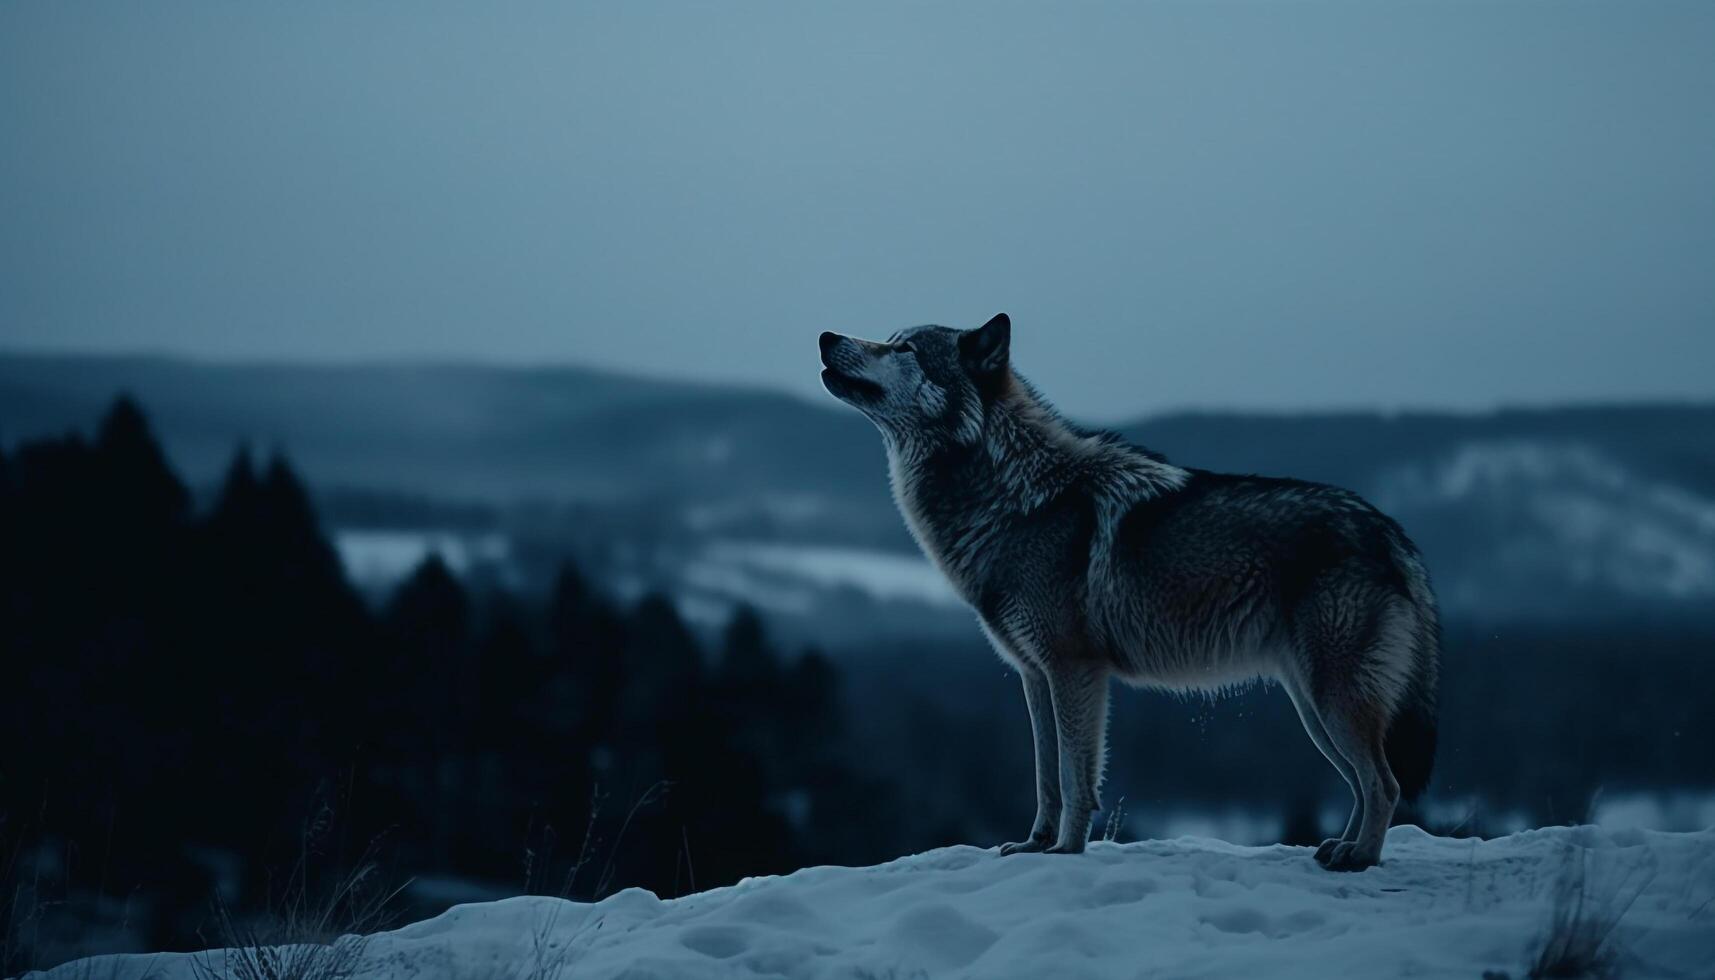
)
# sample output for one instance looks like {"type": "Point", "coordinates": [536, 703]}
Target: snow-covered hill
{"type": "Point", "coordinates": [1182, 908]}
{"type": "Point", "coordinates": [1533, 522]}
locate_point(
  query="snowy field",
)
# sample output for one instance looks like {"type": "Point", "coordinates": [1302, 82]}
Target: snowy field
{"type": "Point", "coordinates": [1190, 907]}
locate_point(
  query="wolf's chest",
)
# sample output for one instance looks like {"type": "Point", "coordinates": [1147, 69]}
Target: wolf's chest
{"type": "Point", "coordinates": [953, 546]}
{"type": "Point", "coordinates": [965, 572]}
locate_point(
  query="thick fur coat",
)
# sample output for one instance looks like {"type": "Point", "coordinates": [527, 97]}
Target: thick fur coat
{"type": "Point", "coordinates": [1086, 559]}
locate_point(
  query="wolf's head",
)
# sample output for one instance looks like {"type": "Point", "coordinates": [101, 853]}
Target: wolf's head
{"type": "Point", "coordinates": [923, 385]}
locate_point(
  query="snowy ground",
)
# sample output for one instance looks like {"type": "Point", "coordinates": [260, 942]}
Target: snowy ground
{"type": "Point", "coordinates": [1182, 908]}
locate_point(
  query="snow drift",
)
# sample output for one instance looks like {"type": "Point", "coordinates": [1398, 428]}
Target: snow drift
{"type": "Point", "coordinates": [1181, 908]}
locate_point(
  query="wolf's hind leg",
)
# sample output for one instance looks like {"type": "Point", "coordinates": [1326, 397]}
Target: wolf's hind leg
{"type": "Point", "coordinates": [1037, 698]}
{"type": "Point", "coordinates": [1356, 726]}
{"type": "Point", "coordinates": [1080, 694]}
{"type": "Point", "coordinates": [1319, 735]}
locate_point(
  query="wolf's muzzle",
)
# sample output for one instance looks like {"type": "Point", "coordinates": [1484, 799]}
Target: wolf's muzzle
{"type": "Point", "coordinates": [829, 340]}
{"type": "Point", "coordinates": [838, 377]}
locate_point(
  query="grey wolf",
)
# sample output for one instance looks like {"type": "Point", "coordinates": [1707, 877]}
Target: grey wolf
{"type": "Point", "coordinates": [1086, 559]}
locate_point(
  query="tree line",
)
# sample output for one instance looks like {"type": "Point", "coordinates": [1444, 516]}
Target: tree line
{"type": "Point", "coordinates": [196, 699]}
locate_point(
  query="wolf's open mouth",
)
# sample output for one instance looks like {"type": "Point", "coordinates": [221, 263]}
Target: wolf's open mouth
{"type": "Point", "coordinates": [846, 386]}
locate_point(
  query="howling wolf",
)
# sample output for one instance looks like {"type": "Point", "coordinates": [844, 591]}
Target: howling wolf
{"type": "Point", "coordinates": [1085, 557]}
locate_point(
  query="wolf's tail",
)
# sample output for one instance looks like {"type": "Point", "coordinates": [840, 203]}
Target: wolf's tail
{"type": "Point", "coordinates": [1411, 744]}
{"type": "Point", "coordinates": [1411, 734]}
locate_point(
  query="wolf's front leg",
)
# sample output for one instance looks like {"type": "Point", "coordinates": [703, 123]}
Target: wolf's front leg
{"type": "Point", "coordinates": [1080, 693]}
{"type": "Point", "coordinates": [1045, 829]}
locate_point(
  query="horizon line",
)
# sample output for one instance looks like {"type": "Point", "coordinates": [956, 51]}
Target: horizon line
{"type": "Point", "coordinates": [477, 362]}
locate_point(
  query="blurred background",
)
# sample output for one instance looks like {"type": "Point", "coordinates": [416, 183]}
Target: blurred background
{"type": "Point", "coordinates": [413, 467]}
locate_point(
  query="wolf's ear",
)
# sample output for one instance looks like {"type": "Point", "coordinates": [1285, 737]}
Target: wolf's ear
{"type": "Point", "coordinates": [985, 349]}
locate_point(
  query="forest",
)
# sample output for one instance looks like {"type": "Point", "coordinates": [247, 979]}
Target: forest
{"type": "Point", "coordinates": [197, 702]}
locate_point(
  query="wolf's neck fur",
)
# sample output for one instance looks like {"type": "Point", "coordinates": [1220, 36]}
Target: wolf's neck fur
{"type": "Point", "coordinates": [1022, 455]}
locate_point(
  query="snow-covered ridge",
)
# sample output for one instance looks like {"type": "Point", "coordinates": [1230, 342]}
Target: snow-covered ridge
{"type": "Point", "coordinates": [1558, 512]}
{"type": "Point", "coordinates": [1190, 907]}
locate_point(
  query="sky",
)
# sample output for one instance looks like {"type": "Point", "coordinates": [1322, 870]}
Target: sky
{"type": "Point", "coordinates": [1274, 205]}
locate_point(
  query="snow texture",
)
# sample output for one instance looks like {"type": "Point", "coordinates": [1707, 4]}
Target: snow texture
{"type": "Point", "coordinates": [1191, 907]}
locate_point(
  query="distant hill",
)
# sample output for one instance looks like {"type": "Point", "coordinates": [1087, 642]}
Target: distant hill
{"type": "Point", "coordinates": [492, 433]}
{"type": "Point", "coordinates": [1542, 512]}
{"type": "Point", "coordinates": [1546, 513]}
{"type": "Point", "coordinates": [1672, 442]}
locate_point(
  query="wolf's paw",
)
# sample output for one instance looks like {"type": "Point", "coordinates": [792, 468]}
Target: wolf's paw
{"type": "Point", "coordinates": [1348, 856]}
{"type": "Point", "coordinates": [1066, 847]}
{"type": "Point", "coordinates": [1031, 846]}
{"type": "Point", "coordinates": [1326, 850]}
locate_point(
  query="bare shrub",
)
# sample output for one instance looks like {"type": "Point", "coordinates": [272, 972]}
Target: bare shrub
{"type": "Point", "coordinates": [306, 933]}
{"type": "Point", "coordinates": [550, 957]}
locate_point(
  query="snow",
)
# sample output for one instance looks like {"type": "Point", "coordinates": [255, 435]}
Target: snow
{"type": "Point", "coordinates": [1189, 907]}
{"type": "Point", "coordinates": [1570, 511]}
{"type": "Point", "coordinates": [785, 578]}
{"type": "Point", "coordinates": [383, 558]}
{"type": "Point", "coordinates": [883, 575]}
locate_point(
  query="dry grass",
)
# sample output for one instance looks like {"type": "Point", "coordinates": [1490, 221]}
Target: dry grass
{"type": "Point", "coordinates": [42, 915]}
{"type": "Point", "coordinates": [1114, 821]}
{"type": "Point", "coordinates": [17, 910]}
{"type": "Point", "coordinates": [1582, 937]}
{"type": "Point", "coordinates": [551, 954]}
{"type": "Point", "coordinates": [299, 943]}
{"type": "Point", "coordinates": [308, 932]}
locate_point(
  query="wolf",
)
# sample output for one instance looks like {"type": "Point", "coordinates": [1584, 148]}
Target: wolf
{"type": "Point", "coordinates": [1086, 558]}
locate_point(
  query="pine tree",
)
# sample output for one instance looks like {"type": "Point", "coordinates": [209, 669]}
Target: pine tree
{"type": "Point", "coordinates": [588, 640]}
{"type": "Point", "coordinates": [130, 460]}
